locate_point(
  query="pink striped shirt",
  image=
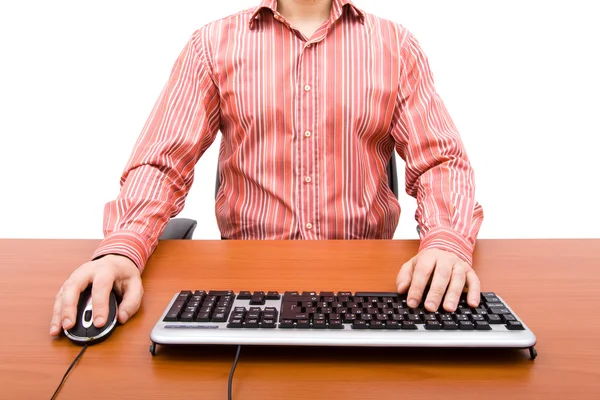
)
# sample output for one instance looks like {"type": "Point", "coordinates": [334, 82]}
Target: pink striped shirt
{"type": "Point", "coordinates": [308, 126]}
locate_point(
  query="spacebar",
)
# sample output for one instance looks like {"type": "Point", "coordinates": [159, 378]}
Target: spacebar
{"type": "Point", "coordinates": [376, 294]}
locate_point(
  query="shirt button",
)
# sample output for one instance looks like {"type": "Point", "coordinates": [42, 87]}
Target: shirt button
{"type": "Point", "coordinates": [307, 88]}
{"type": "Point", "coordinates": [308, 46]}
{"type": "Point", "coordinates": [309, 226]}
{"type": "Point", "coordinates": [308, 179]}
{"type": "Point", "coordinates": [307, 133]}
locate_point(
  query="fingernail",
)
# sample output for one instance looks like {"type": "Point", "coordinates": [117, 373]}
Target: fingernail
{"type": "Point", "coordinates": [412, 303]}
{"type": "Point", "coordinates": [53, 329]}
{"type": "Point", "coordinates": [99, 321]}
{"type": "Point", "coordinates": [66, 322]}
{"type": "Point", "coordinates": [450, 305]}
{"type": "Point", "coordinates": [124, 316]}
{"type": "Point", "coordinates": [430, 305]}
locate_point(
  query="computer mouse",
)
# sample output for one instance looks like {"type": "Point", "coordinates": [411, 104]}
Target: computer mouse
{"type": "Point", "coordinates": [84, 332]}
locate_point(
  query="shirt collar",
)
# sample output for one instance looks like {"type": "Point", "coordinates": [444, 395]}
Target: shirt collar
{"type": "Point", "coordinates": [337, 8]}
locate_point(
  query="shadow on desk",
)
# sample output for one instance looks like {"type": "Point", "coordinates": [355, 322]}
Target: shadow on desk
{"type": "Point", "coordinates": [356, 364]}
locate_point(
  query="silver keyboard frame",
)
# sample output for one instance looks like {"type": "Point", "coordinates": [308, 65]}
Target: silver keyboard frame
{"type": "Point", "coordinates": [217, 333]}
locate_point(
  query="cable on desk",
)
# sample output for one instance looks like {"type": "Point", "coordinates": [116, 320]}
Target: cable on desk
{"type": "Point", "coordinates": [237, 356]}
{"type": "Point", "coordinates": [69, 370]}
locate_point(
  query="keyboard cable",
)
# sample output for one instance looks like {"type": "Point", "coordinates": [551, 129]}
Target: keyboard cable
{"type": "Point", "coordinates": [69, 370]}
{"type": "Point", "coordinates": [235, 361]}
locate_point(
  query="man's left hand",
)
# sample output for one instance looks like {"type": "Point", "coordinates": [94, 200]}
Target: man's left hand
{"type": "Point", "coordinates": [448, 274]}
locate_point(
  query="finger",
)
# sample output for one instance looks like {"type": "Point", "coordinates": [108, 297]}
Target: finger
{"type": "Point", "coordinates": [441, 278]}
{"type": "Point", "coordinates": [474, 291]}
{"type": "Point", "coordinates": [72, 288]}
{"type": "Point", "coordinates": [405, 275]}
{"type": "Point", "coordinates": [102, 286]}
{"type": "Point", "coordinates": [56, 314]}
{"type": "Point", "coordinates": [457, 283]}
{"type": "Point", "coordinates": [423, 268]}
{"type": "Point", "coordinates": [132, 299]}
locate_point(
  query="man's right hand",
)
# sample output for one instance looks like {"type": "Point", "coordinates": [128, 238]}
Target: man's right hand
{"type": "Point", "coordinates": [105, 274]}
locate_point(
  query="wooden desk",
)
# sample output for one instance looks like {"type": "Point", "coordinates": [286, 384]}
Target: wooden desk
{"type": "Point", "coordinates": [554, 285]}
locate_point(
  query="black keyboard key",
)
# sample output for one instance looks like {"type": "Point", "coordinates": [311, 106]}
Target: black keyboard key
{"type": "Point", "coordinates": [319, 324]}
{"type": "Point", "coordinates": [273, 295]}
{"type": "Point", "coordinates": [257, 299]}
{"type": "Point", "coordinates": [203, 317]}
{"type": "Point", "coordinates": [514, 326]}
{"type": "Point", "coordinates": [205, 309]}
{"type": "Point", "coordinates": [359, 324]}
{"type": "Point", "coordinates": [430, 317]}
{"type": "Point", "coordinates": [392, 325]}
{"type": "Point", "coordinates": [445, 317]}
{"type": "Point", "coordinates": [267, 323]}
{"type": "Point", "coordinates": [482, 326]}
{"type": "Point", "coordinates": [244, 295]}
{"type": "Point", "coordinates": [349, 317]}
{"type": "Point", "coordinates": [433, 325]}
{"type": "Point", "coordinates": [184, 295]}
{"type": "Point", "coordinates": [376, 325]}
{"type": "Point", "coordinates": [466, 326]}
{"type": "Point", "coordinates": [251, 323]}
{"type": "Point", "coordinates": [499, 311]}
{"type": "Point", "coordinates": [365, 317]}
{"type": "Point", "coordinates": [201, 293]}
{"type": "Point", "coordinates": [495, 305]}
{"type": "Point", "coordinates": [414, 318]}
{"type": "Point", "coordinates": [335, 324]}
{"type": "Point", "coordinates": [493, 319]}
{"type": "Point", "coordinates": [187, 317]}
{"type": "Point", "coordinates": [303, 324]}
{"type": "Point", "coordinates": [376, 294]}
{"type": "Point", "coordinates": [190, 310]}
{"type": "Point", "coordinates": [286, 323]}
{"type": "Point", "coordinates": [409, 325]}
{"type": "Point", "coordinates": [239, 310]}
{"type": "Point", "coordinates": [172, 316]}
{"type": "Point", "coordinates": [460, 318]}
{"type": "Point", "coordinates": [220, 293]}
{"type": "Point", "coordinates": [219, 317]}
{"type": "Point", "coordinates": [507, 317]}
{"type": "Point", "coordinates": [476, 318]}
{"type": "Point", "coordinates": [449, 325]}
{"type": "Point", "coordinates": [235, 323]}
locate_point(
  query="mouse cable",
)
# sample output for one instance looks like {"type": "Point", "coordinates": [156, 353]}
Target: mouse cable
{"type": "Point", "coordinates": [237, 356]}
{"type": "Point", "coordinates": [69, 370]}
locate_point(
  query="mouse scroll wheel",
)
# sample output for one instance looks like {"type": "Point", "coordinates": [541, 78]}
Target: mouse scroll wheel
{"type": "Point", "coordinates": [88, 315]}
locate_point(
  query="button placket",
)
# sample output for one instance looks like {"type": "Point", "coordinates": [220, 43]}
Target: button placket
{"type": "Point", "coordinates": [305, 123]}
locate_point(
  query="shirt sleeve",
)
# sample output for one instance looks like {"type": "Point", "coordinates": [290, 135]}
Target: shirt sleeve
{"type": "Point", "coordinates": [438, 172]}
{"type": "Point", "coordinates": [158, 176]}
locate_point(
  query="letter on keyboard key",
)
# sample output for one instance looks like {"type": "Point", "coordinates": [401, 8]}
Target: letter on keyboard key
{"type": "Point", "coordinates": [203, 317]}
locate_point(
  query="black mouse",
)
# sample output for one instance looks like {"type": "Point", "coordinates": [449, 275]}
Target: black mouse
{"type": "Point", "coordinates": [84, 332]}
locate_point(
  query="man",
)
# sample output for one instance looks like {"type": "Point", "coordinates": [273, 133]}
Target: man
{"type": "Point", "coordinates": [312, 97]}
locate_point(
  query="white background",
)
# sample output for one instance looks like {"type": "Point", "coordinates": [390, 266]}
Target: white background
{"type": "Point", "coordinates": [79, 78]}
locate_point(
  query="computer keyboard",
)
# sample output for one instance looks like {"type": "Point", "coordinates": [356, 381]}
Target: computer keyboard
{"type": "Point", "coordinates": [335, 319]}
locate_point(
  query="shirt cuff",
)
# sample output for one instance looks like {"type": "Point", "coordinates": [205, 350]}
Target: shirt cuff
{"type": "Point", "coordinates": [127, 244]}
{"type": "Point", "coordinates": [448, 240]}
